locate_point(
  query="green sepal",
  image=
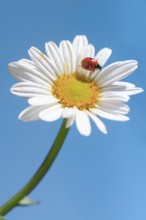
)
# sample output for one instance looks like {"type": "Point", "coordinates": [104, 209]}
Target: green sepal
{"type": "Point", "coordinates": [26, 201]}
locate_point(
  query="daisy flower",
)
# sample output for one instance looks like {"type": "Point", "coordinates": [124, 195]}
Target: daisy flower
{"type": "Point", "coordinates": [57, 86]}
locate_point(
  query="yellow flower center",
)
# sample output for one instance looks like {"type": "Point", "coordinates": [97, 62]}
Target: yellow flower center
{"type": "Point", "coordinates": [76, 90]}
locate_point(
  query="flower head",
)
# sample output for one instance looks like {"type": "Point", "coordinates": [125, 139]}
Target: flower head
{"type": "Point", "coordinates": [57, 86]}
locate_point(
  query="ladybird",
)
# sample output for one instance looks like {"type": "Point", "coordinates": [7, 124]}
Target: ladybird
{"type": "Point", "coordinates": [90, 64]}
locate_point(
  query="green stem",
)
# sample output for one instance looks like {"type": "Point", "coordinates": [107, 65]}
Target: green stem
{"type": "Point", "coordinates": [34, 181]}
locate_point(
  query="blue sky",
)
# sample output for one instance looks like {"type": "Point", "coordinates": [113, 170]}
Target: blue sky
{"type": "Point", "coordinates": [97, 177]}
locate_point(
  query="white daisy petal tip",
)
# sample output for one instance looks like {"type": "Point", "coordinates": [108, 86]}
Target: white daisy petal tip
{"type": "Point", "coordinates": [10, 65]}
{"type": "Point", "coordinates": [134, 62]}
{"type": "Point", "coordinates": [104, 130]}
{"type": "Point", "coordinates": [11, 89]}
{"type": "Point", "coordinates": [100, 125]}
{"type": "Point", "coordinates": [30, 50]}
{"type": "Point", "coordinates": [83, 123]}
{"type": "Point", "coordinates": [81, 38]}
{"type": "Point", "coordinates": [123, 118]}
{"type": "Point", "coordinates": [22, 117]}
{"type": "Point", "coordinates": [135, 91]}
{"type": "Point", "coordinates": [140, 90]}
{"type": "Point", "coordinates": [103, 55]}
{"type": "Point", "coordinates": [69, 122]}
{"type": "Point", "coordinates": [107, 51]}
{"type": "Point", "coordinates": [72, 116]}
{"type": "Point", "coordinates": [31, 113]}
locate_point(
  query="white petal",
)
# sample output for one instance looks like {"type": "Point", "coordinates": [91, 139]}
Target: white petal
{"type": "Point", "coordinates": [28, 62]}
{"type": "Point", "coordinates": [52, 113]}
{"type": "Point", "coordinates": [80, 39]}
{"type": "Point", "coordinates": [133, 91]}
{"type": "Point", "coordinates": [67, 112]}
{"type": "Point", "coordinates": [55, 54]}
{"type": "Point", "coordinates": [28, 89]}
{"type": "Point", "coordinates": [72, 118]}
{"type": "Point", "coordinates": [90, 50]}
{"type": "Point", "coordinates": [101, 126]}
{"type": "Point", "coordinates": [124, 84]}
{"type": "Point", "coordinates": [119, 87]}
{"type": "Point", "coordinates": [110, 68]}
{"type": "Point", "coordinates": [83, 123]}
{"type": "Point", "coordinates": [43, 63]}
{"type": "Point", "coordinates": [22, 72]}
{"type": "Point", "coordinates": [114, 107]}
{"type": "Point", "coordinates": [103, 114]}
{"type": "Point", "coordinates": [113, 96]}
{"type": "Point", "coordinates": [70, 121]}
{"type": "Point", "coordinates": [43, 100]}
{"type": "Point", "coordinates": [68, 56]}
{"type": "Point", "coordinates": [31, 113]}
{"type": "Point", "coordinates": [128, 88]}
{"type": "Point", "coordinates": [79, 43]}
{"type": "Point", "coordinates": [118, 74]}
{"type": "Point", "coordinates": [103, 55]}
{"type": "Point", "coordinates": [112, 102]}
{"type": "Point", "coordinates": [87, 51]}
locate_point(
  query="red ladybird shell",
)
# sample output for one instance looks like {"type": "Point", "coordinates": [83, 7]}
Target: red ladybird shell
{"type": "Point", "coordinates": [90, 64]}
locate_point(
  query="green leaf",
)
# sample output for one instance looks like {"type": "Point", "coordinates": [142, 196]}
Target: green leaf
{"type": "Point", "coordinates": [2, 218]}
{"type": "Point", "coordinates": [26, 201]}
